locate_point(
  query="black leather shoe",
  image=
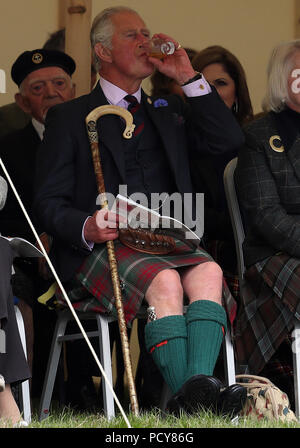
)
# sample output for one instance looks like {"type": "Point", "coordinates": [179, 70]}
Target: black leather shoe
{"type": "Point", "coordinates": [200, 392]}
{"type": "Point", "coordinates": [231, 400]}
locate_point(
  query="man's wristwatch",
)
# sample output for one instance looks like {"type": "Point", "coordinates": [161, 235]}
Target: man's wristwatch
{"type": "Point", "coordinates": [195, 78]}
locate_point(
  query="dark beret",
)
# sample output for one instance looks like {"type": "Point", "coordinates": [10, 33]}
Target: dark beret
{"type": "Point", "coordinates": [29, 61]}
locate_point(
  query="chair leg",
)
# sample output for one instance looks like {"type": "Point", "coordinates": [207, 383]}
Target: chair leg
{"type": "Point", "coordinates": [229, 359]}
{"type": "Point", "coordinates": [296, 362]}
{"type": "Point", "coordinates": [24, 386]}
{"type": "Point", "coordinates": [52, 366]}
{"type": "Point", "coordinates": [105, 356]}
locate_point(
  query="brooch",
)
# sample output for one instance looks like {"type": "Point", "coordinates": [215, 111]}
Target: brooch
{"type": "Point", "coordinates": [272, 141]}
{"type": "Point", "coordinates": [160, 102]}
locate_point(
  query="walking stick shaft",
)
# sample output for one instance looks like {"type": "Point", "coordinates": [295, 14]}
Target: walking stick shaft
{"type": "Point", "coordinates": [91, 120]}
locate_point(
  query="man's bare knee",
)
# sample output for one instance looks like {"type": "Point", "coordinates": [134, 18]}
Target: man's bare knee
{"type": "Point", "coordinates": [211, 270]}
{"type": "Point", "coordinates": [208, 271]}
{"type": "Point", "coordinates": [204, 281]}
{"type": "Point", "coordinates": [165, 293]}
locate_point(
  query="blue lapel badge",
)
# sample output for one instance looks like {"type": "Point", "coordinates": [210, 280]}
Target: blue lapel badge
{"type": "Point", "coordinates": [160, 102]}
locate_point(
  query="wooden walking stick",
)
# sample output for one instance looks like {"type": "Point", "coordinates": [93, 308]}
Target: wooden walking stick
{"type": "Point", "coordinates": [91, 120]}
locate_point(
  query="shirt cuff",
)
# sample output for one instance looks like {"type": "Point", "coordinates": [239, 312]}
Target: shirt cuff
{"type": "Point", "coordinates": [197, 88]}
{"type": "Point", "coordinates": [86, 244]}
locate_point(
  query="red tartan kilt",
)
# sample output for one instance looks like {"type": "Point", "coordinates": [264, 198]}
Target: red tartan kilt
{"type": "Point", "coordinates": [94, 292]}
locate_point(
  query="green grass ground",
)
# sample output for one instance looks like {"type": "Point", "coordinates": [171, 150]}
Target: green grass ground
{"type": "Point", "coordinates": [67, 418]}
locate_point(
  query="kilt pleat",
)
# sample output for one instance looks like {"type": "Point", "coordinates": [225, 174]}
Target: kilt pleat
{"type": "Point", "coordinates": [92, 288]}
{"type": "Point", "coordinates": [270, 303]}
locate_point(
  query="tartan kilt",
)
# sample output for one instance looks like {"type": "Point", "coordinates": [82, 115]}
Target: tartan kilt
{"type": "Point", "coordinates": [270, 303]}
{"type": "Point", "coordinates": [92, 288]}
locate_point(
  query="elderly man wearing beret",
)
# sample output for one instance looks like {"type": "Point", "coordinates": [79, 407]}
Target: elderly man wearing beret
{"type": "Point", "coordinates": [44, 80]}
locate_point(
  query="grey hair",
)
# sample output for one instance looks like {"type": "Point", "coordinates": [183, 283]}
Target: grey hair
{"type": "Point", "coordinates": [279, 68]}
{"type": "Point", "coordinates": [102, 30]}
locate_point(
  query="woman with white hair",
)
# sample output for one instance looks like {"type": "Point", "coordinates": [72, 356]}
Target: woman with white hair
{"type": "Point", "coordinates": [268, 185]}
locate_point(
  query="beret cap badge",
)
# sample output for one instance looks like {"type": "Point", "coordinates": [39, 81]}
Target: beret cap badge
{"type": "Point", "coordinates": [37, 58]}
{"type": "Point", "coordinates": [29, 61]}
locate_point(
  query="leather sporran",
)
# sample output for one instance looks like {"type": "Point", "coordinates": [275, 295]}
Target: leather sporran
{"type": "Point", "coordinates": [146, 241]}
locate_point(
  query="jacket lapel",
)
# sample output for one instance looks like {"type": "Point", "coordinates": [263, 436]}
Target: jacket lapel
{"type": "Point", "coordinates": [110, 129]}
{"type": "Point", "coordinates": [290, 137]}
{"type": "Point", "coordinates": [164, 124]}
{"type": "Point", "coordinates": [293, 156]}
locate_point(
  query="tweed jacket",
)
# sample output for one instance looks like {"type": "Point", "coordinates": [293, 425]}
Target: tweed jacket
{"type": "Point", "coordinates": [268, 185]}
{"type": "Point", "coordinates": [66, 189]}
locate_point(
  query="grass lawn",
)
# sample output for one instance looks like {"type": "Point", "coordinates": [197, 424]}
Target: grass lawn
{"type": "Point", "coordinates": [68, 418]}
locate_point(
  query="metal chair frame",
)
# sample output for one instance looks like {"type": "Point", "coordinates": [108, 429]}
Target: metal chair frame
{"type": "Point", "coordinates": [59, 337]}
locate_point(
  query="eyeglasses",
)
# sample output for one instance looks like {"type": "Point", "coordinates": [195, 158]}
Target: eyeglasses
{"type": "Point", "coordinates": [39, 87]}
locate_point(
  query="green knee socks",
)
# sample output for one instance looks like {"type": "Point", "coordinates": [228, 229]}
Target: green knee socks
{"type": "Point", "coordinates": [165, 339]}
{"type": "Point", "coordinates": [206, 322]}
{"type": "Point", "coordinates": [183, 346]}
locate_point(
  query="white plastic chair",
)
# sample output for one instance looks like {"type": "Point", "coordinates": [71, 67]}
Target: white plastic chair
{"type": "Point", "coordinates": [239, 236]}
{"type": "Point", "coordinates": [59, 336]}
